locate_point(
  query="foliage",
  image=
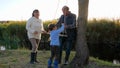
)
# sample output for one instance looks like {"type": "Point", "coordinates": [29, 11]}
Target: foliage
{"type": "Point", "coordinates": [14, 35]}
{"type": "Point", "coordinates": [103, 37]}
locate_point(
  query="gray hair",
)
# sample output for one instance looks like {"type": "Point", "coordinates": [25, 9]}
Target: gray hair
{"type": "Point", "coordinates": [65, 7]}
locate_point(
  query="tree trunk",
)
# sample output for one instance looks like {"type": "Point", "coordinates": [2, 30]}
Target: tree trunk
{"type": "Point", "coordinates": [82, 53]}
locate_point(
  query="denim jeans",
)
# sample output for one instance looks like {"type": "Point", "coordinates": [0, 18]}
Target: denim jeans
{"type": "Point", "coordinates": [67, 42]}
{"type": "Point", "coordinates": [62, 44]}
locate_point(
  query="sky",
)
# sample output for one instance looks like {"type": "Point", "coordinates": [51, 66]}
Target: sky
{"type": "Point", "coordinates": [51, 9]}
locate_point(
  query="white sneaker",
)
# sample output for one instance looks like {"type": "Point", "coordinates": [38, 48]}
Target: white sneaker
{"type": "Point", "coordinates": [66, 63]}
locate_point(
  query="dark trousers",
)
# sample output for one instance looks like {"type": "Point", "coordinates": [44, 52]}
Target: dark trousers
{"type": "Point", "coordinates": [55, 52]}
{"type": "Point", "coordinates": [67, 42]}
{"type": "Point", "coordinates": [68, 46]}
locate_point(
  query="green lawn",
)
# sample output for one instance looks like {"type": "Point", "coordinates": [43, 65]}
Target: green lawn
{"type": "Point", "coordinates": [20, 59]}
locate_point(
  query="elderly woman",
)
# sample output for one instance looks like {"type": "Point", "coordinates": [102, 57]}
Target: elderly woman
{"type": "Point", "coordinates": [34, 28]}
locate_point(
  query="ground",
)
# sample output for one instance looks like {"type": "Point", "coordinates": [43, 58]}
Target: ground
{"type": "Point", "coordinates": [20, 59]}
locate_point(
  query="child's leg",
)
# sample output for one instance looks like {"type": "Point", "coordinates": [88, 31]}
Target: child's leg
{"type": "Point", "coordinates": [51, 58]}
{"type": "Point", "coordinates": [56, 57]}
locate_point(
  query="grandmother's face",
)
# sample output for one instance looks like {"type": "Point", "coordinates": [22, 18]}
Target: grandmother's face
{"type": "Point", "coordinates": [36, 14]}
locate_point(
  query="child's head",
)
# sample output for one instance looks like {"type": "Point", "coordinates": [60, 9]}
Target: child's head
{"type": "Point", "coordinates": [52, 27]}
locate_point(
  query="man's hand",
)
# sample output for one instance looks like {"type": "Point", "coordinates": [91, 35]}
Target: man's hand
{"type": "Point", "coordinates": [63, 24]}
{"type": "Point", "coordinates": [66, 26]}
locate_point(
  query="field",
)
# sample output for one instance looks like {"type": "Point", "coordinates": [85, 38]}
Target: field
{"type": "Point", "coordinates": [20, 59]}
{"type": "Point", "coordinates": [103, 39]}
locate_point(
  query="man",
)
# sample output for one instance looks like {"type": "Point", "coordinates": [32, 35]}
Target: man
{"type": "Point", "coordinates": [68, 35]}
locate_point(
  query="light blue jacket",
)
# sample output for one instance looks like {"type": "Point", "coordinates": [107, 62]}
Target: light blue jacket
{"type": "Point", "coordinates": [54, 36]}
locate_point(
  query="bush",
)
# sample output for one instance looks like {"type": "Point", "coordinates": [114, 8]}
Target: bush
{"type": "Point", "coordinates": [13, 35]}
{"type": "Point", "coordinates": [103, 37]}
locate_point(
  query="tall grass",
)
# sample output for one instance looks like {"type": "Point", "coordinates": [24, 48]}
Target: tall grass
{"type": "Point", "coordinates": [103, 37]}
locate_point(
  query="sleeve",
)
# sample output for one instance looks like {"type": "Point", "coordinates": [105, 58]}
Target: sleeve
{"type": "Point", "coordinates": [60, 21]}
{"type": "Point", "coordinates": [60, 29]}
{"type": "Point", "coordinates": [42, 26]}
{"type": "Point", "coordinates": [28, 26]}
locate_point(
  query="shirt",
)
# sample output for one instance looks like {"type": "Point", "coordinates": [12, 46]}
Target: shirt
{"type": "Point", "coordinates": [34, 24]}
{"type": "Point", "coordinates": [54, 36]}
{"type": "Point", "coordinates": [69, 20]}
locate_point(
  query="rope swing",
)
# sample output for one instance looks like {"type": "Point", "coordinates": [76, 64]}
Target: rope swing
{"type": "Point", "coordinates": [58, 7]}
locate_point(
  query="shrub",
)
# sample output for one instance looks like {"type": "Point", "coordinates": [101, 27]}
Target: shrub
{"type": "Point", "coordinates": [103, 37]}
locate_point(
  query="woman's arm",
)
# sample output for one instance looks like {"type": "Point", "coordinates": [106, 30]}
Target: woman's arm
{"type": "Point", "coordinates": [28, 26]}
{"type": "Point", "coordinates": [42, 26]}
{"type": "Point", "coordinates": [42, 29]}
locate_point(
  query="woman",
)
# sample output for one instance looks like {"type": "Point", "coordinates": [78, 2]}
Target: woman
{"type": "Point", "coordinates": [34, 28]}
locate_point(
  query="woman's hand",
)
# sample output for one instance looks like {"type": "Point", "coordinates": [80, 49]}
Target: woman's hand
{"type": "Point", "coordinates": [44, 32]}
{"type": "Point", "coordinates": [35, 32]}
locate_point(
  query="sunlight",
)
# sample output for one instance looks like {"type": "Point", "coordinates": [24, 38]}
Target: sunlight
{"type": "Point", "coordinates": [104, 9]}
{"type": "Point", "coordinates": [22, 9]}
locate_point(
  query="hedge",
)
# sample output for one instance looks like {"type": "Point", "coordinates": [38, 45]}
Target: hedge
{"type": "Point", "coordinates": [103, 37]}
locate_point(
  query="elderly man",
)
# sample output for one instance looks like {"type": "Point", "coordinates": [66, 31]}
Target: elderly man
{"type": "Point", "coordinates": [68, 35]}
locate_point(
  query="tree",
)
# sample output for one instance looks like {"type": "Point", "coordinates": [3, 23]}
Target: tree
{"type": "Point", "coordinates": [82, 53]}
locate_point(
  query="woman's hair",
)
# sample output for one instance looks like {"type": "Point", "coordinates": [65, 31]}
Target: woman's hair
{"type": "Point", "coordinates": [51, 26]}
{"type": "Point", "coordinates": [35, 11]}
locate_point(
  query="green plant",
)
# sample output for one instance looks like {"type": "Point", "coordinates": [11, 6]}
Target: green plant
{"type": "Point", "coordinates": [103, 37]}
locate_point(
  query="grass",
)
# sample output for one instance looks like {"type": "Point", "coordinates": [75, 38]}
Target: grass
{"type": "Point", "coordinates": [20, 59]}
{"type": "Point", "coordinates": [103, 63]}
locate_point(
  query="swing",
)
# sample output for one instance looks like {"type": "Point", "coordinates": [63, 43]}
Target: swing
{"type": "Point", "coordinates": [58, 7]}
{"type": "Point", "coordinates": [44, 41]}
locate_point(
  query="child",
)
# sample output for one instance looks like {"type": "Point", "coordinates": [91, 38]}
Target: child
{"type": "Point", "coordinates": [54, 44]}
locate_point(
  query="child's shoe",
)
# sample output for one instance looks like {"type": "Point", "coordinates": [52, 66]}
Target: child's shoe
{"type": "Point", "coordinates": [49, 63]}
{"type": "Point", "coordinates": [55, 63]}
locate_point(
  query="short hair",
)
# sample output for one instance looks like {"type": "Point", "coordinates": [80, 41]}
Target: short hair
{"type": "Point", "coordinates": [51, 26]}
{"type": "Point", "coordinates": [35, 11]}
{"type": "Point", "coordinates": [65, 7]}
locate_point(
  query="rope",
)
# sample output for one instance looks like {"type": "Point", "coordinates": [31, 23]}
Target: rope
{"type": "Point", "coordinates": [66, 2]}
{"type": "Point", "coordinates": [56, 9]}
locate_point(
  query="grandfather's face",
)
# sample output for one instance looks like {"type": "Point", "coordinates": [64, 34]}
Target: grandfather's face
{"type": "Point", "coordinates": [65, 11]}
